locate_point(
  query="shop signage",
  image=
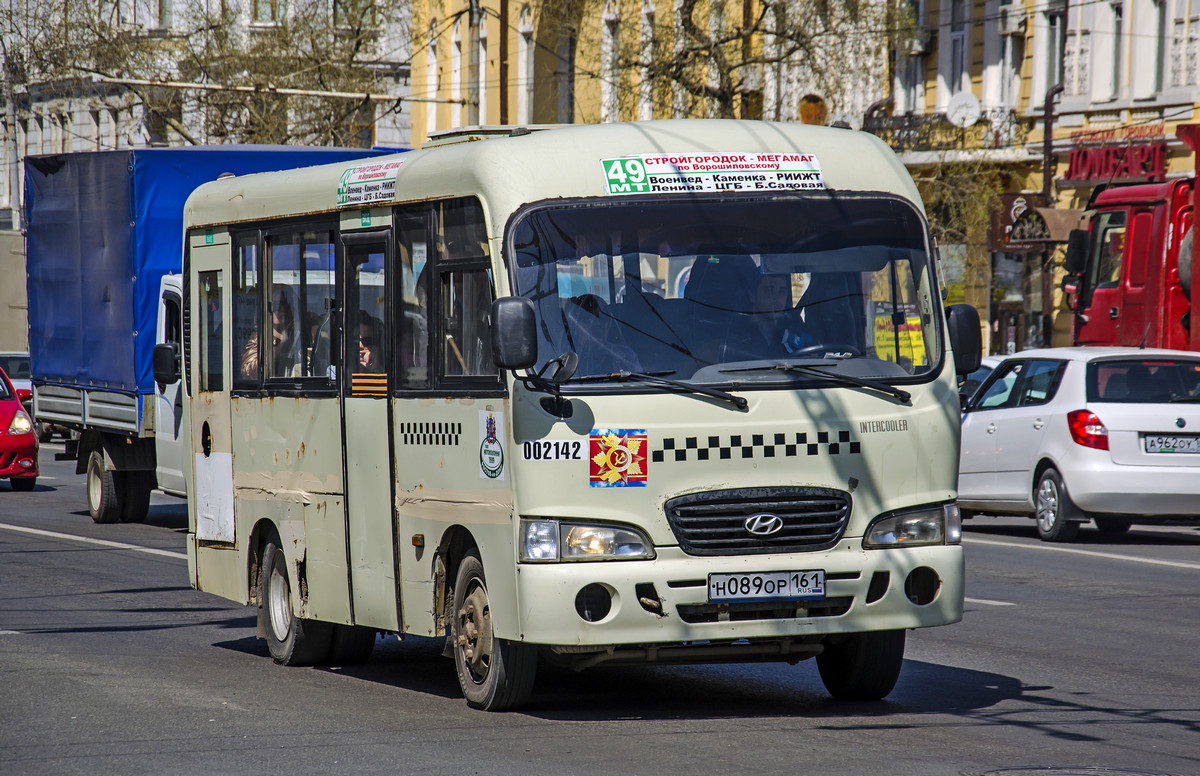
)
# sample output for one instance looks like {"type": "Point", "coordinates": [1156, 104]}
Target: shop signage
{"type": "Point", "coordinates": [1130, 162]}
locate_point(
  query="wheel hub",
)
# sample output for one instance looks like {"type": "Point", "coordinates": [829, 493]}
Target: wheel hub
{"type": "Point", "coordinates": [475, 633]}
{"type": "Point", "coordinates": [1047, 505]}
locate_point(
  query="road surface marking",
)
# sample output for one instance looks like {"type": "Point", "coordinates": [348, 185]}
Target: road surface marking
{"type": "Point", "coordinates": [9, 633]}
{"type": "Point", "coordinates": [1178, 564]}
{"type": "Point", "coordinates": [88, 540]}
{"type": "Point", "coordinates": [987, 602]}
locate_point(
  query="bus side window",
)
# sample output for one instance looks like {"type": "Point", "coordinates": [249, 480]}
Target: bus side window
{"type": "Point", "coordinates": [247, 311]}
{"type": "Point", "coordinates": [465, 290]}
{"type": "Point", "coordinates": [414, 299]}
{"type": "Point", "coordinates": [212, 371]}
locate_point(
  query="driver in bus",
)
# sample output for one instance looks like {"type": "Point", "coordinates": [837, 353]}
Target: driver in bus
{"type": "Point", "coordinates": [775, 327]}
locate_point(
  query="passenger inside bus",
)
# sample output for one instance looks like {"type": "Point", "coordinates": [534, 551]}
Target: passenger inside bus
{"type": "Point", "coordinates": [285, 346]}
{"type": "Point", "coordinates": [369, 328]}
{"type": "Point", "coordinates": [774, 328]}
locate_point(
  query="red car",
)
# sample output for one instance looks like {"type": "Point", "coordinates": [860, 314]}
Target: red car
{"type": "Point", "coordinates": [18, 442]}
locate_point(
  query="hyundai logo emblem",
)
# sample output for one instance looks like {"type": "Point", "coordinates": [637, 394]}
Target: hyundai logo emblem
{"type": "Point", "coordinates": [1180, 422]}
{"type": "Point", "coordinates": [763, 524]}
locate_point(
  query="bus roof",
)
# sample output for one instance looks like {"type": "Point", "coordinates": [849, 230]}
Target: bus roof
{"type": "Point", "coordinates": [547, 164]}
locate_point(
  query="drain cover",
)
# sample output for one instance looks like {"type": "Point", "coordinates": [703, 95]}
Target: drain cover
{"type": "Point", "coordinates": [1052, 770]}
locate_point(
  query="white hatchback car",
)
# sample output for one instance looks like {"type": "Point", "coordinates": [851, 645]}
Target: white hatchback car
{"type": "Point", "coordinates": [1067, 435]}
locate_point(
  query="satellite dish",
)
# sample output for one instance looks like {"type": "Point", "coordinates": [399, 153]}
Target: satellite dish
{"type": "Point", "coordinates": [963, 110]}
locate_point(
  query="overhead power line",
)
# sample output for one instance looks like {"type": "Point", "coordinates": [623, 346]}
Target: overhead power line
{"type": "Point", "coordinates": [269, 89]}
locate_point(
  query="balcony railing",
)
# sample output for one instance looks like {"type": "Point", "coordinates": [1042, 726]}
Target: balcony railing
{"type": "Point", "coordinates": [995, 129]}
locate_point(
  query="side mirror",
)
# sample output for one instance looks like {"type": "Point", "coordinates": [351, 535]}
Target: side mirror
{"type": "Point", "coordinates": [963, 323]}
{"type": "Point", "coordinates": [1076, 258]}
{"type": "Point", "coordinates": [514, 333]}
{"type": "Point", "coordinates": [165, 360]}
{"type": "Point", "coordinates": [1070, 287]}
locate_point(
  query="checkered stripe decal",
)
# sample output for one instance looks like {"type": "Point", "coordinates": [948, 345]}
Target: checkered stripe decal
{"type": "Point", "coordinates": [430, 434]}
{"type": "Point", "coordinates": [742, 446]}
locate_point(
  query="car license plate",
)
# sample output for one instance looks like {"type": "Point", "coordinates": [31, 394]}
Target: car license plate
{"type": "Point", "coordinates": [1170, 443]}
{"type": "Point", "coordinates": [766, 586]}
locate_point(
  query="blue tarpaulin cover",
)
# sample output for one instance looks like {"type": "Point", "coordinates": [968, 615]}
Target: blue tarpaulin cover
{"type": "Point", "coordinates": [102, 229]}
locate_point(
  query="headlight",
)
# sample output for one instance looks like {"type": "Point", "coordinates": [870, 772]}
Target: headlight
{"type": "Point", "coordinates": [940, 524]}
{"type": "Point", "coordinates": [21, 424]}
{"type": "Point", "coordinates": [553, 540]}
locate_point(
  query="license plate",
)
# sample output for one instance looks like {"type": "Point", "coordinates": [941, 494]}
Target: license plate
{"type": "Point", "coordinates": [1170, 443]}
{"type": "Point", "coordinates": [766, 586]}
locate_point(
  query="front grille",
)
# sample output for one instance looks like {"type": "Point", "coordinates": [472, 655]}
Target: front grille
{"type": "Point", "coordinates": [746, 612]}
{"type": "Point", "coordinates": [714, 522]}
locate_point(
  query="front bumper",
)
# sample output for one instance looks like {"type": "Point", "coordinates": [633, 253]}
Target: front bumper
{"type": "Point", "coordinates": [664, 601]}
{"type": "Point", "coordinates": [18, 456]}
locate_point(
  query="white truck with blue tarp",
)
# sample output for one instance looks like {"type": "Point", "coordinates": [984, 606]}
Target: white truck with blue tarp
{"type": "Point", "coordinates": [104, 241]}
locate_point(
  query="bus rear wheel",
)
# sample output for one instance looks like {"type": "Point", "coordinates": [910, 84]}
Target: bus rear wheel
{"type": "Point", "coordinates": [291, 640]}
{"type": "Point", "coordinates": [494, 673]}
{"type": "Point", "coordinates": [863, 667]}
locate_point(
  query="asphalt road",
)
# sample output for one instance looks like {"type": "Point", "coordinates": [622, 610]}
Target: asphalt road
{"type": "Point", "coordinates": [1071, 659]}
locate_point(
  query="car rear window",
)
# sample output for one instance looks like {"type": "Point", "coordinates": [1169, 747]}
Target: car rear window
{"type": "Point", "coordinates": [1143, 381]}
{"type": "Point", "coordinates": [15, 365]}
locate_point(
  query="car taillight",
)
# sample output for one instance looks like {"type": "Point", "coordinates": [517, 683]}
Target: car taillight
{"type": "Point", "coordinates": [1087, 430]}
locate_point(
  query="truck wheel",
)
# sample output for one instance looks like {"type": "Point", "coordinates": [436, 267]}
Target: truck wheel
{"type": "Point", "coordinates": [1054, 509]}
{"type": "Point", "coordinates": [291, 640]}
{"type": "Point", "coordinates": [494, 673]}
{"type": "Point", "coordinates": [103, 501]}
{"type": "Point", "coordinates": [864, 667]}
{"type": "Point", "coordinates": [135, 495]}
{"type": "Point", "coordinates": [352, 645]}
{"type": "Point", "coordinates": [1113, 526]}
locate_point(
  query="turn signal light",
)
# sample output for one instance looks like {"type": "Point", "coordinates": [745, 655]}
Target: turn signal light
{"type": "Point", "coordinates": [1087, 430]}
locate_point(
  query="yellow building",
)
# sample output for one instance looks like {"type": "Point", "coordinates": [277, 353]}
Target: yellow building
{"type": "Point", "coordinates": [500, 62]}
{"type": "Point", "coordinates": [970, 89]}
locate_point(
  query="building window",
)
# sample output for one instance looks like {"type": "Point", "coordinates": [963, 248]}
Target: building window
{"type": "Point", "coordinates": [645, 109]}
{"type": "Point", "coordinates": [910, 60]}
{"type": "Point", "coordinates": [481, 72]}
{"type": "Point", "coordinates": [456, 62]}
{"type": "Point", "coordinates": [269, 11]}
{"type": "Point", "coordinates": [431, 78]}
{"type": "Point", "coordinates": [525, 66]}
{"type": "Point", "coordinates": [1056, 41]}
{"type": "Point", "coordinates": [354, 14]}
{"type": "Point", "coordinates": [609, 65]}
{"type": "Point", "coordinates": [565, 76]}
{"type": "Point", "coordinates": [959, 69]}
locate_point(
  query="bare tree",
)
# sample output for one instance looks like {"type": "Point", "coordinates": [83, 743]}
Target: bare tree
{"type": "Point", "coordinates": [309, 76]}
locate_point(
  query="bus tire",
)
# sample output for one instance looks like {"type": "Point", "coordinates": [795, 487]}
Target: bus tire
{"type": "Point", "coordinates": [864, 667]}
{"type": "Point", "coordinates": [135, 495]}
{"type": "Point", "coordinates": [351, 645]}
{"type": "Point", "coordinates": [494, 673]}
{"type": "Point", "coordinates": [104, 502]}
{"type": "Point", "coordinates": [291, 640]}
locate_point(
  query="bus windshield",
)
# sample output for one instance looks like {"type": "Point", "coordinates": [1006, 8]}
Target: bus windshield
{"type": "Point", "coordinates": [735, 290]}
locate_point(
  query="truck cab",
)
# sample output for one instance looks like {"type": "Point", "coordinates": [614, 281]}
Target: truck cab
{"type": "Point", "coordinates": [1123, 280]}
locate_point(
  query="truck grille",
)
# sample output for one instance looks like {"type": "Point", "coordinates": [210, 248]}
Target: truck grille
{"type": "Point", "coordinates": [714, 522]}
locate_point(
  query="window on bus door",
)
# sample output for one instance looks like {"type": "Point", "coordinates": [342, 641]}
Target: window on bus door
{"type": "Point", "coordinates": [247, 310]}
{"type": "Point", "coordinates": [446, 292]}
{"type": "Point", "coordinates": [297, 319]}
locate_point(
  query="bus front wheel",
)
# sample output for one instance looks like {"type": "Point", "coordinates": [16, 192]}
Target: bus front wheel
{"type": "Point", "coordinates": [494, 673]}
{"type": "Point", "coordinates": [291, 640]}
{"type": "Point", "coordinates": [863, 667]}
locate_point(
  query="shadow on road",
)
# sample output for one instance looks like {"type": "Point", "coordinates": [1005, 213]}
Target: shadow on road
{"type": "Point", "coordinates": [1140, 535]}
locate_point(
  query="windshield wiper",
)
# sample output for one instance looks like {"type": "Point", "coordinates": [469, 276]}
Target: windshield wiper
{"type": "Point", "coordinates": [657, 378]}
{"type": "Point", "coordinates": [816, 370]}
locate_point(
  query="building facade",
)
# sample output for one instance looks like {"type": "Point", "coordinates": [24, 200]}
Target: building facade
{"type": "Point", "coordinates": [982, 86]}
{"type": "Point", "coordinates": [177, 72]}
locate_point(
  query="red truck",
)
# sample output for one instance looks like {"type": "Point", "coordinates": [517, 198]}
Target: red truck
{"type": "Point", "coordinates": [1129, 278]}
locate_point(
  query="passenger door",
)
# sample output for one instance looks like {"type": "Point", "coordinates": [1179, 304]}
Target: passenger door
{"type": "Point", "coordinates": [169, 443]}
{"type": "Point", "coordinates": [1019, 436]}
{"type": "Point", "coordinates": [977, 465]}
{"type": "Point", "coordinates": [364, 379]}
{"type": "Point", "coordinates": [1101, 307]}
